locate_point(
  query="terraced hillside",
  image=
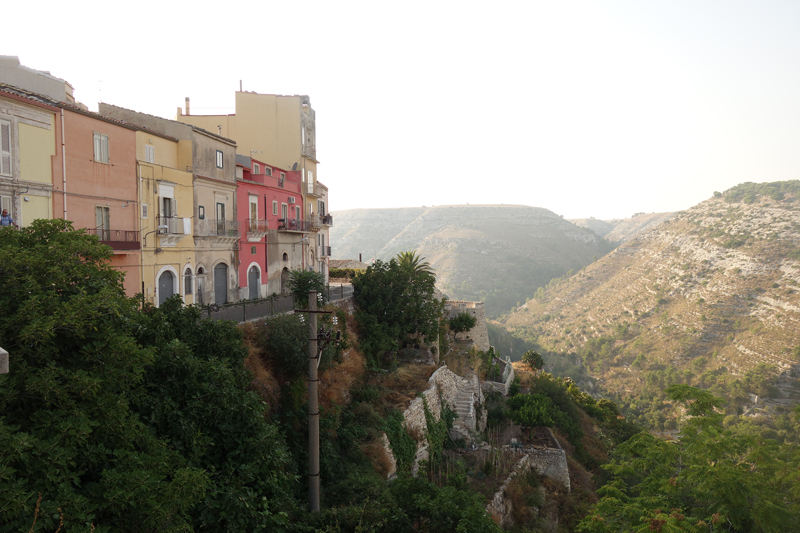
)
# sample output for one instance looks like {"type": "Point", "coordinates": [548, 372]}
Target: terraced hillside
{"type": "Point", "coordinates": [710, 297]}
{"type": "Point", "coordinates": [499, 254]}
{"type": "Point", "coordinates": [622, 230]}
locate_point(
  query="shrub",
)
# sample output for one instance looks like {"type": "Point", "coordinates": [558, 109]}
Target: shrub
{"type": "Point", "coordinates": [462, 322]}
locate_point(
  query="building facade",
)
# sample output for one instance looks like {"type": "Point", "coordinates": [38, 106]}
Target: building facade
{"type": "Point", "coordinates": [30, 139]}
{"type": "Point", "coordinates": [214, 224]}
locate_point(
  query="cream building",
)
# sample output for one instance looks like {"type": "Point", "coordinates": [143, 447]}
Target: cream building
{"type": "Point", "coordinates": [166, 196]}
{"type": "Point", "coordinates": [211, 160]}
{"type": "Point", "coordinates": [29, 138]}
{"type": "Point", "coordinates": [281, 130]}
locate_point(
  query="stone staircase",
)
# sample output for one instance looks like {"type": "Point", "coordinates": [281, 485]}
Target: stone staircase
{"type": "Point", "coordinates": [465, 409]}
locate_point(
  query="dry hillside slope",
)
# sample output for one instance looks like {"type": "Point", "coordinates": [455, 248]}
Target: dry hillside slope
{"type": "Point", "coordinates": [711, 292]}
{"type": "Point", "coordinates": [499, 254]}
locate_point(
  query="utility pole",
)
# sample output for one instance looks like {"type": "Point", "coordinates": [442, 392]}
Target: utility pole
{"type": "Point", "coordinates": [313, 405]}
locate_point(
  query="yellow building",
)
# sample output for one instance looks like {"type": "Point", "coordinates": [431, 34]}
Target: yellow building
{"type": "Point", "coordinates": [282, 131]}
{"type": "Point", "coordinates": [30, 135]}
{"type": "Point", "coordinates": [166, 196]}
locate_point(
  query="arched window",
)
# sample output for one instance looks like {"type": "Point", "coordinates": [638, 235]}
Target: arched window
{"type": "Point", "coordinates": [187, 281]}
{"type": "Point", "coordinates": [285, 256]}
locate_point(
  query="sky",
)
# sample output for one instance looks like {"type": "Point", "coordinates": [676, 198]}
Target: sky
{"type": "Point", "coordinates": [585, 108]}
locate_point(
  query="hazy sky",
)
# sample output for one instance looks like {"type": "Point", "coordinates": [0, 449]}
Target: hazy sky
{"type": "Point", "coordinates": [585, 108]}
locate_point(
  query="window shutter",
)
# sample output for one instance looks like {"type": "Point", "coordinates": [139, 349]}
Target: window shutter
{"type": "Point", "coordinates": [173, 203]}
{"type": "Point", "coordinates": [104, 142]}
{"type": "Point", "coordinates": [5, 148]}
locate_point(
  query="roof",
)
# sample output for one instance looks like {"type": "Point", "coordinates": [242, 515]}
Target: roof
{"type": "Point", "coordinates": [347, 263]}
{"type": "Point", "coordinates": [194, 128]}
{"type": "Point", "coordinates": [46, 100]}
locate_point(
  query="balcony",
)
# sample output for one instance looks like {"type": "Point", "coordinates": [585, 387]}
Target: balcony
{"type": "Point", "coordinates": [324, 251]}
{"type": "Point", "coordinates": [171, 230]}
{"type": "Point", "coordinates": [294, 225]}
{"type": "Point", "coordinates": [327, 220]}
{"type": "Point", "coordinates": [256, 229]}
{"type": "Point", "coordinates": [117, 239]}
{"type": "Point", "coordinates": [309, 151]}
{"type": "Point", "coordinates": [221, 231]}
{"type": "Point", "coordinates": [316, 189]}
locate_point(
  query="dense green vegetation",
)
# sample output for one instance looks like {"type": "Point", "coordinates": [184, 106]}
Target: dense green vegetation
{"type": "Point", "coordinates": [396, 304]}
{"type": "Point", "coordinates": [462, 322]}
{"type": "Point", "coordinates": [748, 192]}
{"type": "Point", "coordinates": [715, 478]}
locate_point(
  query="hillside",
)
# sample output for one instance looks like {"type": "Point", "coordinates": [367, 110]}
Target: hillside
{"type": "Point", "coordinates": [708, 297]}
{"type": "Point", "coordinates": [499, 254]}
{"type": "Point", "coordinates": [622, 230]}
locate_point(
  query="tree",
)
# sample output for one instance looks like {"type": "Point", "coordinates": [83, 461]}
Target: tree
{"type": "Point", "coordinates": [394, 305]}
{"type": "Point", "coordinates": [462, 322]}
{"type": "Point", "coordinates": [414, 264]}
{"type": "Point", "coordinates": [68, 432]}
{"type": "Point", "coordinates": [533, 360]}
{"type": "Point", "coordinates": [303, 281]}
{"type": "Point", "coordinates": [711, 479]}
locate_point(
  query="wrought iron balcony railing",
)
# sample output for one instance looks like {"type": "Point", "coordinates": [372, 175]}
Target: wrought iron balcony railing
{"type": "Point", "coordinates": [117, 239]}
{"type": "Point", "coordinates": [217, 228]}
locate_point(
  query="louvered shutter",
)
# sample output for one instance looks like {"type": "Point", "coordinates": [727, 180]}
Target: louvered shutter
{"type": "Point", "coordinates": [5, 148]}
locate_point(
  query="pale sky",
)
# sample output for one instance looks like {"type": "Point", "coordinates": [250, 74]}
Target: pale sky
{"type": "Point", "coordinates": [585, 108]}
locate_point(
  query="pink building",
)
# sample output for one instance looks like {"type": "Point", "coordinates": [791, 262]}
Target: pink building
{"type": "Point", "coordinates": [96, 188]}
{"type": "Point", "coordinates": [273, 231]}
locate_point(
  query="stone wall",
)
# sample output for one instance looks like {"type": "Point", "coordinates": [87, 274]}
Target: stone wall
{"type": "Point", "coordinates": [550, 462]}
{"type": "Point", "coordinates": [444, 387]}
{"type": "Point", "coordinates": [479, 335]}
{"type": "Point", "coordinates": [501, 386]}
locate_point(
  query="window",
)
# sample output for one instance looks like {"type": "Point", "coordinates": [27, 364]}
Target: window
{"type": "Point", "coordinates": [268, 171]}
{"type": "Point", "coordinates": [256, 168]}
{"type": "Point", "coordinates": [187, 281]}
{"type": "Point", "coordinates": [254, 213]}
{"type": "Point", "coordinates": [321, 208]}
{"type": "Point", "coordinates": [297, 211]}
{"type": "Point", "coordinates": [285, 212]}
{"type": "Point", "coordinates": [252, 250]}
{"type": "Point", "coordinates": [201, 212]}
{"type": "Point", "coordinates": [5, 203]}
{"type": "Point", "coordinates": [283, 175]}
{"type": "Point", "coordinates": [274, 207]}
{"type": "Point", "coordinates": [102, 222]}
{"type": "Point", "coordinates": [5, 148]}
{"type": "Point", "coordinates": [219, 158]}
{"type": "Point", "coordinates": [310, 182]}
{"type": "Point", "coordinates": [101, 147]}
{"type": "Point", "coordinates": [149, 153]}
{"type": "Point", "coordinates": [144, 210]}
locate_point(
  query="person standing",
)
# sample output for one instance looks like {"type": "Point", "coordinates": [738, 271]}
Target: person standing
{"type": "Point", "coordinates": [6, 220]}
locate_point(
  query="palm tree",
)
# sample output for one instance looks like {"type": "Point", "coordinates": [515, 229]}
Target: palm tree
{"type": "Point", "coordinates": [414, 264]}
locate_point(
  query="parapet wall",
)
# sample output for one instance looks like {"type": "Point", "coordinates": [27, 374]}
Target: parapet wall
{"type": "Point", "coordinates": [479, 335]}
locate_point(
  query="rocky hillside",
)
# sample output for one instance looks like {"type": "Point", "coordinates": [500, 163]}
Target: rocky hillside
{"type": "Point", "coordinates": [499, 254]}
{"type": "Point", "coordinates": [622, 230]}
{"type": "Point", "coordinates": [709, 297]}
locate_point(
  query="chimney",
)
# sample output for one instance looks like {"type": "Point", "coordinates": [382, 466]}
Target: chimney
{"type": "Point", "coordinates": [180, 111]}
{"type": "Point", "coordinates": [219, 130]}
{"type": "Point", "coordinates": [240, 85]}
{"type": "Point", "coordinates": [359, 258]}
{"type": "Point", "coordinates": [187, 107]}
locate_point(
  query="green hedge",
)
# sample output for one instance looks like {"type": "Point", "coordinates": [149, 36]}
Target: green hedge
{"type": "Point", "coordinates": [348, 273]}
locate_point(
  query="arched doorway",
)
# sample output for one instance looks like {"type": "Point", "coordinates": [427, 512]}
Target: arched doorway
{"type": "Point", "coordinates": [254, 282]}
{"type": "Point", "coordinates": [166, 286]}
{"type": "Point", "coordinates": [201, 277]}
{"type": "Point", "coordinates": [221, 283]}
{"type": "Point", "coordinates": [285, 276]}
